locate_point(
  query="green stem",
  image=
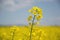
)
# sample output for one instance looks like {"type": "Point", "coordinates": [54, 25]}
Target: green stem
{"type": "Point", "coordinates": [32, 27]}
{"type": "Point", "coordinates": [13, 34]}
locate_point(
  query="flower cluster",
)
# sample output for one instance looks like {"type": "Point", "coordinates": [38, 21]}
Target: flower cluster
{"type": "Point", "coordinates": [37, 12]}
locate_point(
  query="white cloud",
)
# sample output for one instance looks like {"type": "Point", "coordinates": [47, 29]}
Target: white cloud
{"type": "Point", "coordinates": [13, 5]}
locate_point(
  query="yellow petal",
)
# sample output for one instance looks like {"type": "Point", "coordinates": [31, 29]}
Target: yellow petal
{"type": "Point", "coordinates": [34, 13]}
{"type": "Point", "coordinates": [40, 12]}
{"type": "Point", "coordinates": [38, 18]}
{"type": "Point", "coordinates": [34, 8]}
{"type": "Point", "coordinates": [41, 16]}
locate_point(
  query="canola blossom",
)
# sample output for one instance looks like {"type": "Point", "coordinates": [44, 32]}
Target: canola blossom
{"type": "Point", "coordinates": [29, 18]}
{"type": "Point", "coordinates": [37, 12]}
{"type": "Point", "coordinates": [37, 15]}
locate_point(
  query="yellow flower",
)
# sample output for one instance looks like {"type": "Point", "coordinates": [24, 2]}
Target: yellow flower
{"type": "Point", "coordinates": [38, 17]}
{"type": "Point", "coordinates": [17, 29]}
{"type": "Point", "coordinates": [29, 18]}
{"type": "Point", "coordinates": [30, 23]}
{"type": "Point", "coordinates": [35, 8]}
{"type": "Point", "coordinates": [39, 11]}
{"type": "Point", "coordinates": [41, 16]}
{"type": "Point", "coordinates": [4, 34]}
{"type": "Point", "coordinates": [34, 13]}
{"type": "Point", "coordinates": [33, 33]}
{"type": "Point", "coordinates": [20, 39]}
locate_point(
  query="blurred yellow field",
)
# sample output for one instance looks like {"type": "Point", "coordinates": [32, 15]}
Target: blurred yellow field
{"type": "Point", "coordinates": [23, 33]}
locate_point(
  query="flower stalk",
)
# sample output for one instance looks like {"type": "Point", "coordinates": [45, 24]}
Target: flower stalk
{"type": "Point", "coordinates": [37, 12]}
{"type": "Point", "coordinates": [32, 27]}
{"type": "Point", "coordinates": [13, 34]}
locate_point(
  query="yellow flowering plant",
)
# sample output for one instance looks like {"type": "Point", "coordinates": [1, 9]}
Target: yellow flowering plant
{"type": "Point", "coordinates": [30, 18]}
{"type": "Point", "coordinates": [37, 12]}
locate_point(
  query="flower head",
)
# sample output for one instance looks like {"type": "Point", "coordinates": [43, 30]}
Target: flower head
{"type": "Point", "coordinates": [40, 12]}
{"type": "Point", "coordinates": [29, 18]}
{"type": "Point", "coordinates": [38, 17]}
{"type": "Point", "coordinates": [36, 10]}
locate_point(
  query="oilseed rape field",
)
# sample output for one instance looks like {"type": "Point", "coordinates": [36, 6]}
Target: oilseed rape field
{"type": "Point", "coordinates": [32, 31]}
{"type": "Point", "coordinates": [23, 32]}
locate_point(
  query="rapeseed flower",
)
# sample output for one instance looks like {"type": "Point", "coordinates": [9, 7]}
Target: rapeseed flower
{"type": "Point", "coordinates": [37, 14]}
{"type": "Point", "coordinates": [36, 10]}
{"type": "Point", "coordinates": [38, 18]}
{"type": "Point", "coordinates": [30, 18]}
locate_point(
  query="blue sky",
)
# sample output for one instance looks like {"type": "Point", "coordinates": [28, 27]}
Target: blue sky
{"type": "Point", "coordinates": [16, 11]}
